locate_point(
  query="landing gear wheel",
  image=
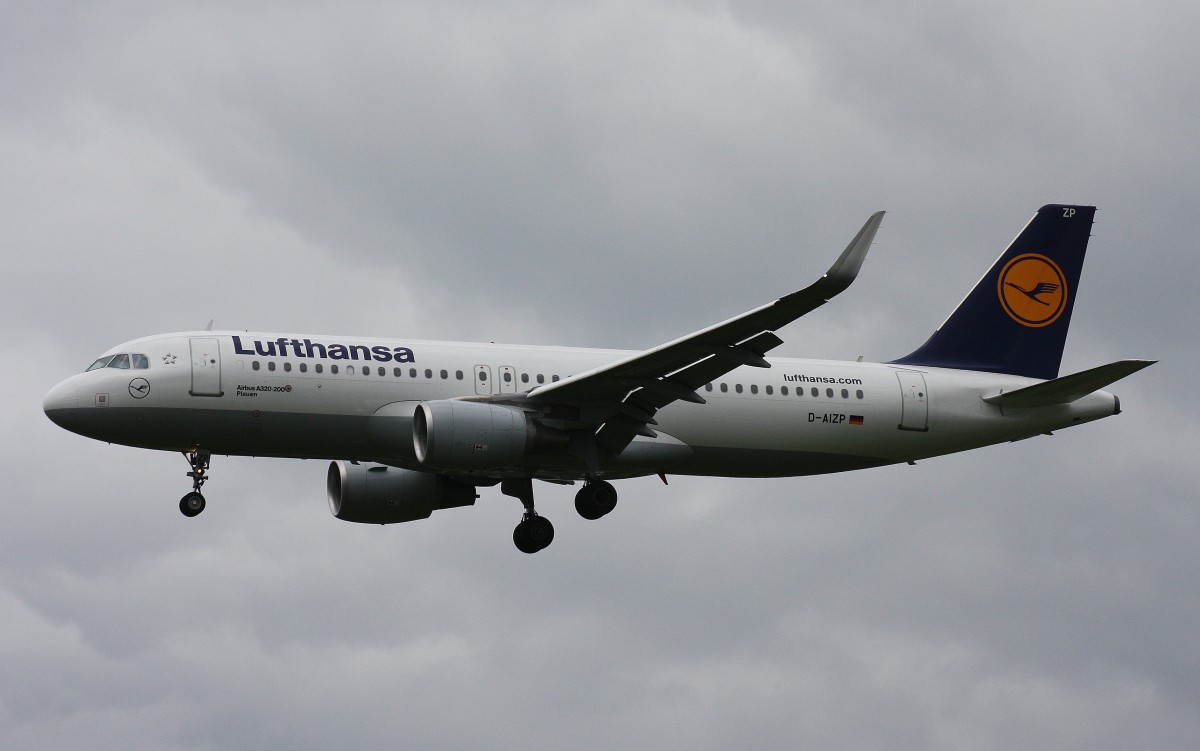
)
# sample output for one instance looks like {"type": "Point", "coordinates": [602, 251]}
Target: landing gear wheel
{"type": "Point", "coordinates": [534, 533]}
{"type": "Point", "coordinates": [595, 499]}
{"type": "Point", "coordinates": [191, 504]}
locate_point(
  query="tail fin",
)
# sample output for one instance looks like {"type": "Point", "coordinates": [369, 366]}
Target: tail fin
{"type": "Point", "coordinates": [1015, 320]}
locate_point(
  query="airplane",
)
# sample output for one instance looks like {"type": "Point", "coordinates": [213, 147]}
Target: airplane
{"type": "Point", "coordinates": [412, 426]}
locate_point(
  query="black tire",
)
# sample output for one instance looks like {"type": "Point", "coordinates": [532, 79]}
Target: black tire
{"type": "Point", "coordinates": [191, 504]}
{"type": "Point", "coordinates": [596, 499]}
{"type": "Point", "coordinates": [540, 530]}
{"type": "Point", "coordinates": [521, 539]}
{"type": "Point", "coordinates": [533, 534]}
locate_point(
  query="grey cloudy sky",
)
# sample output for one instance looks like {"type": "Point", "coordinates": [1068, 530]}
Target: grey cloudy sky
{"type": "Point", "coordinates": [609, 174]}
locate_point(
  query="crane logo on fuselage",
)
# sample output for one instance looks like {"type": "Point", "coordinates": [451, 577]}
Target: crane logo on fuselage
{"type": "Point", "coordinates": [1032, 290]}
{"type": "Point", "coordinates": [284, 347]}
{"type": "Point", "coordinates": [139, 388]}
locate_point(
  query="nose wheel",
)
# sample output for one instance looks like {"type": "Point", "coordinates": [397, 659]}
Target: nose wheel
{"type": "Point", "coordinates": [193, 503]}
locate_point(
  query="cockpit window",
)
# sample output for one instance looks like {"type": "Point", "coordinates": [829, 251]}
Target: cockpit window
{"type": "Point", "coordinates": [124, 362]}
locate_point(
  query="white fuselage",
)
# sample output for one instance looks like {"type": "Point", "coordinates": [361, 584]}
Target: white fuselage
{"type": "Point", "coordinates": [266, 394]}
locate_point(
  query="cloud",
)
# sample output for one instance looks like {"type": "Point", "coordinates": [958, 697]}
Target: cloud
{"type": "Point", "coordinates": [614, 174]}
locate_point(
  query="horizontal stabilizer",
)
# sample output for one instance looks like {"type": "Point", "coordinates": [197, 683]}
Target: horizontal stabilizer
{"type": "Point", "coordinates": [1069, 388]}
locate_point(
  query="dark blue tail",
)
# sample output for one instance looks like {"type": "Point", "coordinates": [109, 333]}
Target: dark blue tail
{"type": "Point", "coordinates": [1015, 320]}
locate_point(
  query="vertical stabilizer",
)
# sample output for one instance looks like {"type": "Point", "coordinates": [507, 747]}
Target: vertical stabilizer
{"type": "Point", "coordinates": [1015, 320]}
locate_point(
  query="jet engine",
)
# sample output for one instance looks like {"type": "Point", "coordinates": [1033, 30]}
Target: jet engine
{"type": "Point", "coordinates": [376, 494]}
{"type": "Point", "coordinates": [461, 436]}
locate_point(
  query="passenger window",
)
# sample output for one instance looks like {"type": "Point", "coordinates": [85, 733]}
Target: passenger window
{"type": "Point", "coordinates": [738, 388]}
{"type": "Point", "coordinates": [458, 375]}
{"type": "Point", "coordinates": [349, 370]}
{"type": "Point", "coordinates": [554, 378]}
{"type": "Point", "coordinates": [429, 374]}
{"type": "Point", "coordinates": [482, 376]}
{"type": "Point", "coordinates": [782, 390]}
{"type": "Point", "coordinates": [524, 378]}
{"type": "Point", "coordinates": [724, 388]}
{"type": "Point", "coordinates": [382, 371]}
{"type": "Point", "coordinates": [507, 377]}
{"type": "Point", "coordinates": [319, 367]}
{"type": "Point", "coordinates": [333, 369]}
{"type": "Point", "coordinates": [412, 372]}
{"type": "Point", "coordinates": [815, 393]}
{"type": "Point", "coordinates": [859, 394]}
{"type": "Point", "coordinates": [255, 365]}
{"type": "Point", "coordinates": [141, 362]}
{"type": "Point", "coordinates": [303, 367]}
{"type": "Point", "coordinates": [271, 366]}
{"type": "Point", "coordinates": [845, 394]}
{"type": "Point", "coordinates": [119, 361]}
{"type": "Point", "coordinates": [829, 393]}
{"type": "Point", "coordinates": [444, 375]}
{"type": "Point", "coordinates": [753, 388]}
{"type": "Point", "coordinates": [708, 387]}
{"type": "Point", "coordinates": [287, 367]}
{"type": "Point", "coordinates": [769, 391]}
{"type": "Point", "coordinates": [541, 378]}
{"type": "Point", "coordinates": [396, 372]}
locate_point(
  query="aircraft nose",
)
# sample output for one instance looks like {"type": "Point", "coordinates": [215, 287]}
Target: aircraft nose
{"type": "Point", "coordinates": [61, 405]}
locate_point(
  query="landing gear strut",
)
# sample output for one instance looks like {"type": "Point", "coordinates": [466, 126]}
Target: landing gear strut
{"type": "Point", "coordinates": [193, 503]}
{"type": "Point", "coordinates": [535, 532]}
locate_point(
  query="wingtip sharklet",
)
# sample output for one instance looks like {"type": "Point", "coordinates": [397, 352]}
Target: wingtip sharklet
{"type": "Point", "coordinates": [845, 269]}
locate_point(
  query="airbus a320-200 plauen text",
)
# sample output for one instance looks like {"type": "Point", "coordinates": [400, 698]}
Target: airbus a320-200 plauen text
{"type": "Point", "coordinates": [416, 426]}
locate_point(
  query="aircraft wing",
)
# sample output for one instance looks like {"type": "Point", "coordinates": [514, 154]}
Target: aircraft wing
{"type": "Point", "coordinates": [624, 395]}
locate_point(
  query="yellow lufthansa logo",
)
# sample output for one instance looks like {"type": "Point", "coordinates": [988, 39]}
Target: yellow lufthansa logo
{"type": "Point", "coordinates": [1032, 290]}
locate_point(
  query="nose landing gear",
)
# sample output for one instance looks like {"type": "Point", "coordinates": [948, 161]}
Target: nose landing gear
{"type": "Point", "coordinates": [193, 503]}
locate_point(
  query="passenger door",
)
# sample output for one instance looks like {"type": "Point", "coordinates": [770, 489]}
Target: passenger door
{"type": "Point", "coordinates": [206, 367]}
{"type": "Point", "coordinates": [914, 401]}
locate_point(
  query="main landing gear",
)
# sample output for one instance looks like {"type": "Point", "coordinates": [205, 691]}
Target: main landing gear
{"type": "Point", "coordinates": [595, 499]}
{"type": "Point", "coordinates": [535, 532]}
{"type": "Point", "coordinates": [193, 503]}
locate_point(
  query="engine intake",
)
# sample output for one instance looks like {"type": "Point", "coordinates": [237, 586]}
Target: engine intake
{"type": "Point", "coordinates": [457, 436]}
{"type": "Point", "coordinates": [376, 494]}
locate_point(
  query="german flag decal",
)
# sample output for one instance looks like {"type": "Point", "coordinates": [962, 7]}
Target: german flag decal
{"type": "Point", "coordinates": [856, 419]}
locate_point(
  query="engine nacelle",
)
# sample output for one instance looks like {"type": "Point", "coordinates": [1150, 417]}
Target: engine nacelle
{"type": "Point", "coordinates": [390, 430]}
{"type": "Point", "coordinates": [376, 494]}
{"type": "Point", "coordinates": [456, 436]}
